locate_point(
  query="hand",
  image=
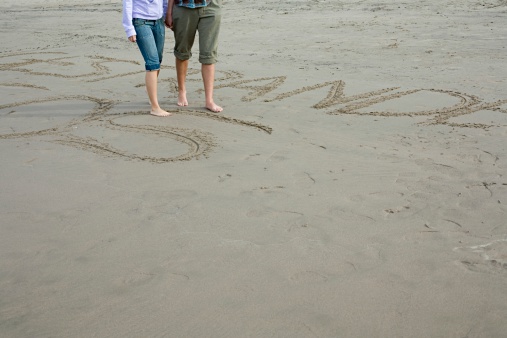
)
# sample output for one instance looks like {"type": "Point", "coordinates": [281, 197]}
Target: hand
{"type": "Point", "coordinates": [169, 21]}
{"type": "Point", "coordinates": [132, 38]}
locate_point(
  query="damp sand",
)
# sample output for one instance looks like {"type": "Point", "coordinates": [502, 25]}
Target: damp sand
{"type": "Point", "coordinates": [354, 186]}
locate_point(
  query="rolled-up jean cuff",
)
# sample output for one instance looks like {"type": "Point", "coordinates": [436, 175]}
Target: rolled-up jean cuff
{"type": "Point", "coordinates": [150, 40]}
{"type": "Point", "coordinates": [150, 68]}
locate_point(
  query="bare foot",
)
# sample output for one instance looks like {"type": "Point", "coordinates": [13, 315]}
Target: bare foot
{"type": "Point", "coordinates": [160, 112]}
{"type": "Point", "coordinates": [214, 107]}
{"type": "Point", "coordinates": [182, 99]}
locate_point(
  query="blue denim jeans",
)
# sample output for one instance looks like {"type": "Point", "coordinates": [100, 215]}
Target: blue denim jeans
{"type": "Point", "coordinates": [150, 39]}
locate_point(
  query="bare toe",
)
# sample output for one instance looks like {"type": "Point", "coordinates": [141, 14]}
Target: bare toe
{"type": "Point", "coordinates": [214, 108]}
{"type": "Point", "coordinates": [182, 100]}
{"type": "Point", "coordinates": [160, 112]}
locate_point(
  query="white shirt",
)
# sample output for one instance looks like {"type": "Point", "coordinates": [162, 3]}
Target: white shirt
{"type": "Point", "coordinates": [141, 9]}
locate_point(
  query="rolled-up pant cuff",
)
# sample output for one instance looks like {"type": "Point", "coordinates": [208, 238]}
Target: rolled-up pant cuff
{"type": "Point", "coordinates": [152, 67]}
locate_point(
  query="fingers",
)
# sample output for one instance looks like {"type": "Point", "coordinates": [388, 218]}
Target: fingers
{"type": "Point", "coordinates": [169, 23]}
{"type": "Point", "coordinates": [133, 38]}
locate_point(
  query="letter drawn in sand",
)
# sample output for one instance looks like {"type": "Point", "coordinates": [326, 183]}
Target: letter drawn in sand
{"type": "Point", "coordinates": [255, 91]}
{"type": "Point", "coordinates": [199, 143]}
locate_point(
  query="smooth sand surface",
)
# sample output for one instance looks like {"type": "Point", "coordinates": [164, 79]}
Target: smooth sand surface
{"type": "Point", "coordinates": [354, 186]}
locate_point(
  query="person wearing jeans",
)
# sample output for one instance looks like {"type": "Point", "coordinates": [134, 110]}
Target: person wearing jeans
{"type": "Point", "coordinates": [143, 21]}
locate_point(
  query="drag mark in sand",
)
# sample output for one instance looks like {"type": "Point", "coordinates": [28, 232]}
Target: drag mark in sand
{"type": "Point", "coordinates": [223, 118]}
{"type": "Point", "coordinates": [23, 85]}
{"type": "Point", "coordinates": [104, 149]}
{"type": "Point", "coordinates": [255, 91]}
{"type": "Point", "coordinates": [200, 143]}
{"type": "Point", "coordinates": [96, 62]}
{"type": "Point", "coordinates": [354, 104]}
{"type": "Point", "coordinates": [101, 106]}
{"type": "Point", "coordinates": [359, 103]}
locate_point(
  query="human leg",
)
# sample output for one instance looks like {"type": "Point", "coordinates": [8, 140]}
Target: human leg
{"type": "Point", "coordinates": [181, 75]}
{"type": "Point", "coordinates": [185, 21]}
{"type": "Point", "coordinates": [208, 77]}
{"type": "Point", "coordinates": [209, 28]}
{"type": "Point", "coordinates": [150, 41]}
{"type": "Point", "coordinates": [151, 80]}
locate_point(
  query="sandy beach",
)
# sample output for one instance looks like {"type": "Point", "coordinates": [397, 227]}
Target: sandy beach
{"type": "Point", "coordinates": [355, 184]}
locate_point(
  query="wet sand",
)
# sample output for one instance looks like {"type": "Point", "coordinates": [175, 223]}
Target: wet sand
{"type": "Point", "coordinates": [354, 186]}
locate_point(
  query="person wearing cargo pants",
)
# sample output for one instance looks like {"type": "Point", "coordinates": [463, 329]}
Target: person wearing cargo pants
{"type": "Point", "coordinates": [186, 18]}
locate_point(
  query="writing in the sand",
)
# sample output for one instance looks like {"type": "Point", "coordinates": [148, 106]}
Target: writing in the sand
{"type": "Point", "coordinates": [335, 102]}
{"type": "Point", "coordinates": [359, 103]}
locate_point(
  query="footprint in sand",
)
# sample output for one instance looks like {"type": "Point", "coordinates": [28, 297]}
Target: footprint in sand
{"type": "Point", "coordinates": [224, 177]}
{"type": "Point", "coordinates": [486, 258]}
{"type": "Point", "coordinates": [308, 277]}
{"type": "Point", "coordinates": [136, 278]}
{"type": "Point", "coordinates": [432, 166]}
